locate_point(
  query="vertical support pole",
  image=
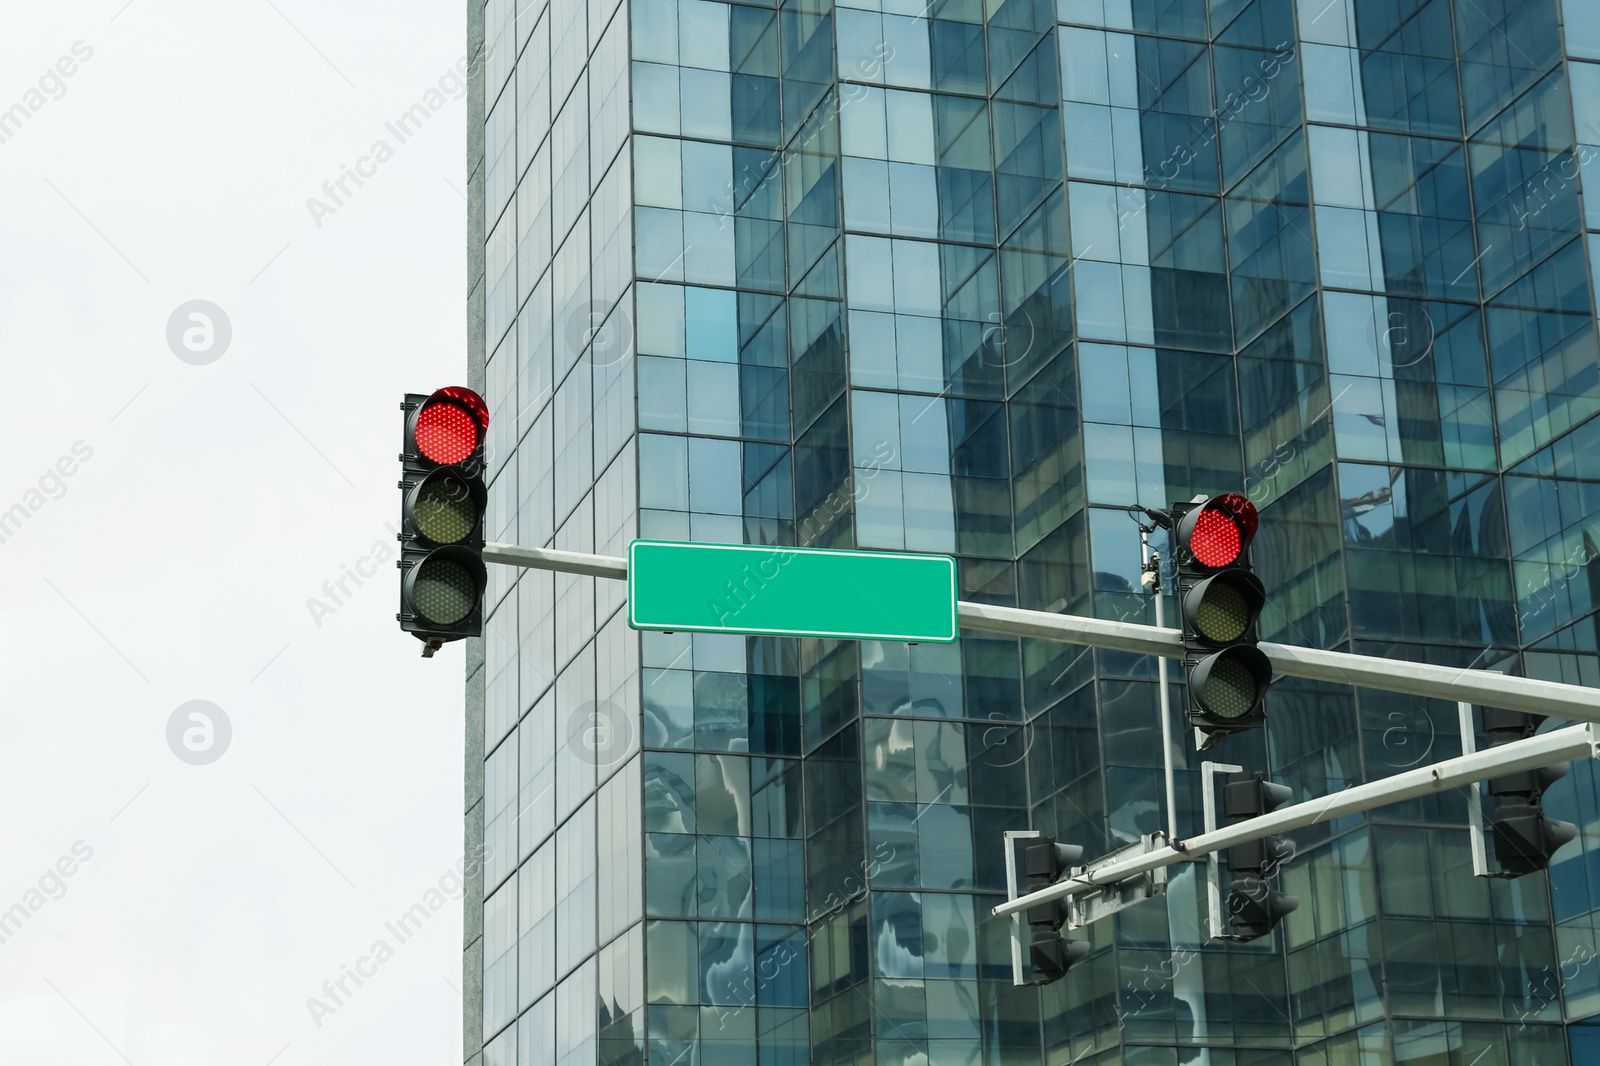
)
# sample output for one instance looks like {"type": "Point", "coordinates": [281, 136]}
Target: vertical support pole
{"type": "Point", "coordinates": [1208, 770]}
{"type": "Point", "coordinates": [1469, 745]}
{"type": "Point", "coordinates": [1152, 575]}
{"type": "Point", "coordinates": [1012, 836]}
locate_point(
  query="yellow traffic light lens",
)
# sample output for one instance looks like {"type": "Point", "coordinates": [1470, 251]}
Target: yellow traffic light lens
{"type": "Point", "coordinates": [1230, 689]}
{"type": "Point", "coordinates": [1223, 616]}
{"type": "Point", "coordinates": [445, 512]}
{"type": "Point", "coordinates": [445, 592]}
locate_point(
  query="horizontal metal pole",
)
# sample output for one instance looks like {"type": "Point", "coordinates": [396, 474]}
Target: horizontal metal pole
{"type": "Point", "coordinates": [1482, 687]}
{"type": "Point", "coordinates": [554, 559]}
{"type": "Point", "coordinates": [1544, 749]}
{"type": "Point", "coordinates": [1071, 629]}
{"type": "Point", "coordinates": [1457, 684]}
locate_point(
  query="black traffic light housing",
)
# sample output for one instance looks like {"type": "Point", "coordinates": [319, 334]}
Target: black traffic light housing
{"type": "Point", "coordinates": [1254, 906]}
{"type": "Point", "coordinates": [442, 504]}
{"type": "Point", "coordinates": [1219, 602]}
{"type": "Point", "coordinates": [1524, 838]}
{"type": "Point", "coordinates": [1050, 955]}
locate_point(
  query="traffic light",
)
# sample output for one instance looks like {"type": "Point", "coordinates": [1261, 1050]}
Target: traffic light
{"type": "Point", "coordinates": [1254, 906]}
{"type": "Point", "coordinates": [442, 576]}
{"type": "Point", "coordinates": [1050, 954]}
{"type": "Point", "coordinates": [1220, 600]}
{"type": "Point", "coordinates": [1524, 838]}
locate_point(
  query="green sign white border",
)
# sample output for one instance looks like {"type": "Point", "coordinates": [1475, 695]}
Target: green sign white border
{"type": "Point", "coordinates": [635, 623]}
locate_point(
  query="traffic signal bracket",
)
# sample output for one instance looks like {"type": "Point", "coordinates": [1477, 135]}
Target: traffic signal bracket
{"type": "Point", "coordinates": [1042, 954]}
{"type": "Point", "coordinates": [1524, 839]}
{"type": "Point", "coordinates": [1253, 906]}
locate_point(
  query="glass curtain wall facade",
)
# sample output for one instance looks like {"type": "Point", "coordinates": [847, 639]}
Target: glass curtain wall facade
{"type": "Point", "coordinates": [974, 278]}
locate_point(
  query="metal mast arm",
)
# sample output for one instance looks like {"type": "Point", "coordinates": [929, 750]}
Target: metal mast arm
{"type": "Point", "coordinates": [1482, 687]}
{"type": "Point", "coordinates": [1563, 745]}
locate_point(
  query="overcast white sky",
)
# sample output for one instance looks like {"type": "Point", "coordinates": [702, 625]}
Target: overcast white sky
{"type": "Point", "coordinates": [176, 562]}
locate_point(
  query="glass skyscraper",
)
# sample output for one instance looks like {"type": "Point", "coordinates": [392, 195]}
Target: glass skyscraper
{"type": "Point", "coordinates": [974, 278]}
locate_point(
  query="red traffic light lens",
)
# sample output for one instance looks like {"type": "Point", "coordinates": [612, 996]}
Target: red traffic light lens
{"type": "Point", "coordinates": [1216, 540]}
{"type": "Point", "coordinates": [1220, 530]}
{"type": "Point", "coordinates": [449, 426]}
{"type": "Point", "coordinates": [446, 433]}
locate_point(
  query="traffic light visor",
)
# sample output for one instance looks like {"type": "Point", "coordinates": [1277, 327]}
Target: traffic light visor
{"type": "Point", "coordinates": [1525, 839]}
{"type": "Point", "coordinates": [1217, 532]}
{"type": "Point", "coordinates": [450, 425]}
{"type": "Point", "coordinates": [1052, 958]}
{"type": "Point", "coordinates": [1230, 684]}
{"type": "Point", "coordinates": [1250, 795]}
{"type": "Point", "coordinates": [1254, 907]}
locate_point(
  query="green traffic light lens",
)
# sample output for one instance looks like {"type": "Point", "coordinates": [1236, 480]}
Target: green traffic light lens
{"type": "Point", "coordinates": [444, 592]}
{"type": "Point", "coordinates": [1230, 689]}
{"type": "Point", "coordinates": [445, 512]}
{"type": "Point", "coordinates": [1223, 616]}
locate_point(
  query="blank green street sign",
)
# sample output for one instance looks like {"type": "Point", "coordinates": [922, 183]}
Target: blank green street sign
{"type": "Point", "coordinates": [791, 592]}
